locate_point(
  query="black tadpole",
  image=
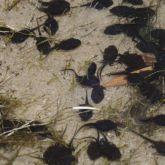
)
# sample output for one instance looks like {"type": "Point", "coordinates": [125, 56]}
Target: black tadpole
{"type": "Point", "coordinates": [158, 120]}
{"type": "Point", "coordinates": [131, 30]}
{"type": "Point", "coordinates": [134, 2]}
{"type": "Point", "coordinates": [97, 4]}
{"type": "Point", "coordinates": [55, 8]}
{"type": "Point", "coordinates": [89, 80]}
{"type": "Point", "coordinates": [158, 145]}
{"type": "Point", "coordinates": [68, 44]}
{"type": "Point", "coordinates": [85, 114]}
{"type": "Point", "coordinates": [101, 147]}
{"type": "Point", "coordinates": [109, 56]}
{"type": "Point", "coordinates": [60, 154]}
{"type": "Point", "coordinates": [132, 61]}
{"type": "Point", "coordinates": [22, 35]}
{"type": "Point", "coordinates": [50, 26]}
{"type": "Point", "coordinates": [42, 43]}
{"type": "Point", "coordinates": [101, 126]}
{"type": "Point", "coordinates": [97, 94]}
{"type": "Point", "coordinates": [123, 11]}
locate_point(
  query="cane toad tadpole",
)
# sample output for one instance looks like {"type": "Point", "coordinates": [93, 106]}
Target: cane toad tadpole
{"type": "Point", "coordinates": [159, 120]}
{"type": "Point", "coordinates": [88, 80]}
{"type": "Point", "coordinates": [98, 4]}
{"type": "Point", "coordinates": [55, 7]}
{"type": "Point", "coordinates": [97, 94]}
{"type": "Point", "coordinates": [50, 26]}
{"type": "Point", "coordinates": [60, 154]}
{"type": "Point", "coordinates": [85, 114]}
{"type": "Point", "coordinates": [134, 2]}
{"type": "Point", "coordinates": [109, 55]}
{"type": "Point", "coordinates": [68, 44]}
{"type": "Point", "coordinates": [101, 147]}
{"type": "Point", "coordinates": [101, 125]}
{"type": "Point", "coordinates": [22, 35]}
{"type": "Point", "coordinates": [158, 145]}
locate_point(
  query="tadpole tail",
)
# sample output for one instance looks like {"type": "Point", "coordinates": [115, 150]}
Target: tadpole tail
{"type": "Point", "coordinates": [35, 28]}
{"type": "Point", "coordinates": [70, 70]}
{"type": "Point", "coordinates": [149, 119]}
{"type": "Point", "coordinates": [99, 72]}
{"type": "Point", "coordinates": [85, 125]}
{"type": "Point", "coordinates": [86, 98]}
{"type": "Point", "coordinates": [144, 137]}
{"type": "Point", "coordinates": [76, 132]}
{"type": "Point", "coordinates": [84, 5]}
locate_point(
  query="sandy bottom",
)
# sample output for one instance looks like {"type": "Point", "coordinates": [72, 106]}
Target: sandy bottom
{"type": "Point", "coordinates": [47, 94]}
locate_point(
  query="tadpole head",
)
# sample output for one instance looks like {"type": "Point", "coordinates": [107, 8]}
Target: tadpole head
{"type": "Point", "coordinates": [50, 26]}
{"type": "Point", "coordinates": [160, 147]}
{"type": "Point", "coordinates": [55, 8]}
{"type": "Point", "coordinates": [97, 94]}
{"type": "Point", "coordinates": [134, 2]}
{"type": "Point", "coordinates": [123, 11]}
{"type": "Point", "coordinates": [110, 54]}
{"type": "Point", "coordinates": [85, 114]}
{"type": "Point", "coordinates": [43, 45]}
{"type": "Point", "coordinates": [20, 36]}
{"type": "Point", "coordinates": [110, 151]}
{"type": "Point", "coordinates": [58, 154]}
{"type": "Point", "coordinates": [159, 120]}
{"type": "Point", "coordinates": [91, 69]}
{"type": "Point", "coordinates": [69, 44]}
{"type": "Point", "coordinates": [93, 151]}
{"type": "Point", "coordinates": [113, 29]}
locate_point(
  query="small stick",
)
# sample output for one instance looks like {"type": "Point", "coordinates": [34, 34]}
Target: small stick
{"type": "Point", "coordinates": [85, 107]}
{"type": "Point", "coordinates": [122, 80]}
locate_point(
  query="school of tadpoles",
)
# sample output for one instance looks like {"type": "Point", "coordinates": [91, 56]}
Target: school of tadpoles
{"type": "Point", "coordinates": [147, 39]}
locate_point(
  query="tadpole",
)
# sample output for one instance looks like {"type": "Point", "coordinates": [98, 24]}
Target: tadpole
{"type": "Point", "coordinates": [50, 25]}
{"type": "Point", "coordinates": [131, 30]}
{"type": "Point", "coordinates": [158, 145]}
{"type": "Point", "coordinates": [86, 80]}
{"type": "Point", "coordinates": [130, 12]}
{"type": "Point", "coordinates": [150, 91]}
{"type": "Point", "coordinates": [42, 44]}
{"type": "Point", "coordinates": [22, 35]}
{"type": "Point", "coordinates": [97, 94]}
{"type": "Point", "coordinates": [123, 11]}
{"type": "Point", "coordinates": [68, 44]}
{"type": "Point", "coordinates": [9, 124]}
{"type": "Point", "coordinates": [132, 61]}
{"type": "Point", "coordinates": [101, 147]}
{"type": "Point", "coordinates": [85, 114]}
{"type": "Point", "coordinates": [39, 129]}
{"type": "Point", "coordinates": [101, 125]}
{"type": "Point", "coordinates": [55, 7]}
{"type": "Point", "coordinates": [109, 56]}
{"type": "Point", "coordinates": [60, 154]}
{"type": "Point", "coordinates": [134, 2]}
{"type": "Point", "coordinates": [98, 4]}
{"type": "Point", "coordinates": [159, 35]}
{"type": "Point", "coordinates": [158, 120]}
